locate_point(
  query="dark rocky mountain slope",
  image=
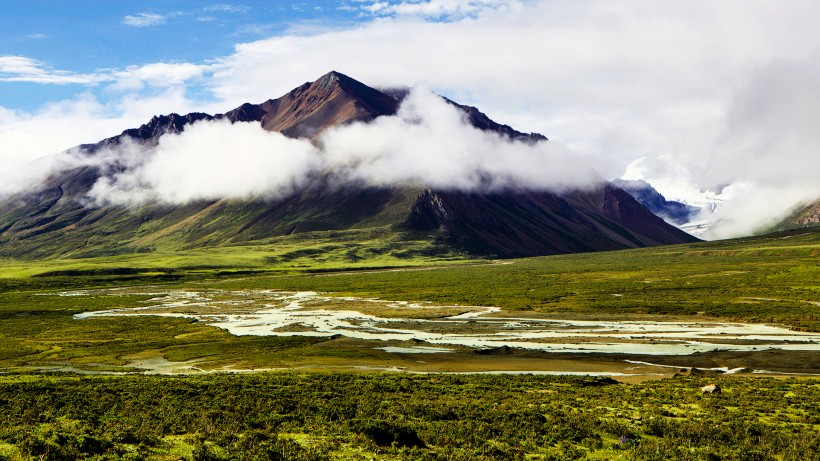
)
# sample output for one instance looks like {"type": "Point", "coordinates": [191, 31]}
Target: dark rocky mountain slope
{"type": "Point", "coordinates": [55, 219]}
{"type": "Point", "coordinates": [675, 212]}
{"type": "Point", "coordinates": [802, 217]}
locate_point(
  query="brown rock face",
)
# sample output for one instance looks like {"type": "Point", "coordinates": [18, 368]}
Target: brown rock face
{"type": "Point", "coordinates": [805, 216]}
{"type": "Point", "coordinates": [335, 99]}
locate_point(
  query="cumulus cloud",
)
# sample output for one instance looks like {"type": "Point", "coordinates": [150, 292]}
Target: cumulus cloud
{"type": "Point", "coordinates": [428, 142]}
{"type": "Point", "coordinates": [25, 138]}
{"type": "Point", "coordinates": [32, 145]}
{"type": "Point", "coordinates": [152, 75]}
{"type": "Point", "coordinates": [15, 178]}
{"type": "Point", "coordinates": [134, 95]}
{"type": "Point", "coordinates": [209, 160]}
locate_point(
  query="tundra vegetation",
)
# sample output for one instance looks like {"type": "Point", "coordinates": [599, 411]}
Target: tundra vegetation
{"type": "Point", "coordinates": [344, 414]}
{"type": "Point", "coordinates": [340, 415]}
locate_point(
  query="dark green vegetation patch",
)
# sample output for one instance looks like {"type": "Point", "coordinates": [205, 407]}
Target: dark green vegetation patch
{"type": "Point", "coordinates": [386, 416]}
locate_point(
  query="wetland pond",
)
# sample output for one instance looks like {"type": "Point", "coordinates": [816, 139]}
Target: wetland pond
{"type": "Point", "coordinates": [430, 329]}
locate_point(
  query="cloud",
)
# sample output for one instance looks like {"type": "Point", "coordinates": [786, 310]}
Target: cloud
{"type": "Point", "coordinates": [761, 161]}
{"type": "Point", "coordinates": [37, 36]}
{"type": "Point", "coordinates": [210, 160]}
{"type": "Point", "coordinates": [132, 97]}
{"type": "Point", "coordinates": [771, 142]}
{"type": "Point", "coordinates": [436, 9]}
{"type": "Point", "coordinates": [771, 126]}
{"type": "Point", "coordinates": [159, 75]}
{"type": "Point", "coordinates": [24, 69]}
{"type": "Point", "coordinates": [226, 8]}
{"type": "Point", "coordinates": [34, 140]}
{"type": "Point", "coordinates": [24, 137]}
{"type": "Point", "coordinates": [428, 142]}
{"type": "Point", "coordinates": [146, 19]}
{"type": "Point", "coordinates": [752, 208]}
{"type": "Point", "coordinates": [143, 20]}
{"type": "Point", "coordinates": [687, 86]}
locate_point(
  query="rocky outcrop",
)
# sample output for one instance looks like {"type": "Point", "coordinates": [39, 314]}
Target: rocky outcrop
{"type": "Point", "coordinates": [803, 216]}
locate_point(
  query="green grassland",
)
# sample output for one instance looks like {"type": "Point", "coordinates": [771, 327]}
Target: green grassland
{"type": "Point", "coordinates": [321, 250]}
{"type": "Point", "coordinates": [326, 416]}
{"type": "Point", "coordinates": [767, 279]}
{"type": "Point", "coordinates": [774, 278]}
{"type": "Point", "coordinates": [319, 415]}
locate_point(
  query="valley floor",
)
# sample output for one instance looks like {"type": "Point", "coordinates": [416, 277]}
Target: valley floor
{"type": "Point", "coordinates": [744, 314]}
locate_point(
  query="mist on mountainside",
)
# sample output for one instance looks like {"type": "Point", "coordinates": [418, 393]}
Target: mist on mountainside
{"type": "Point", "coordinates": [427, 142]}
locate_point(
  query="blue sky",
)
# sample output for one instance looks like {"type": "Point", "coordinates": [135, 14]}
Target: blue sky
{"type": "Point", "coordinates": [84, 37]}
{"type": "Point", "coordinates": [688, 95]}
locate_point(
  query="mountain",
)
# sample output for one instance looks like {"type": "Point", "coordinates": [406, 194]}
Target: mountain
{"type": "Point", "coordinates": [304, 112]}
{"type": "Point", "coordinates": [528, 223]}
{"type": "Point", "coordinates": [56, 220]}
{"type": "Point", "coordinates": [674, 212]}
{"type": "Point", "coordinates": [804, 216]}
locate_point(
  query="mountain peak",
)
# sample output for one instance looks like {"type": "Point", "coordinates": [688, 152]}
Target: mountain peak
{"type": "Point", "coordinates": [333, 99]}
{"type": "Point", "coordinates": [306, 111]}
{"type": "Point", "coordinates": [331, 78]}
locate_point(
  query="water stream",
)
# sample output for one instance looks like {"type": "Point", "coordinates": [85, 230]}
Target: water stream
{"type": "Point", "coordinates": [263, 312]}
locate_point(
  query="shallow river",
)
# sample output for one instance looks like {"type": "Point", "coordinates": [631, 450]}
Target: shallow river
{"type": "Point", "coordinates": [261, 312]}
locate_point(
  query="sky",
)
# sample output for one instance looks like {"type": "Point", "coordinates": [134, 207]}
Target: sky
{"type": "Point", "coordinates": [705, 100]}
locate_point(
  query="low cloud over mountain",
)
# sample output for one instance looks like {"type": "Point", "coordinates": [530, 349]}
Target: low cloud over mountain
{"type": "Point", "coordinates": [331, 154]}
{"type": "Point", "coordinates": [427, 142]}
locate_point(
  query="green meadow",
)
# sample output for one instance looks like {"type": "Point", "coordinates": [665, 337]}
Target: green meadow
{"type": "Point", "coordinates": [365, 416]}
{"type": "Point", "coordinates": [58, 403]}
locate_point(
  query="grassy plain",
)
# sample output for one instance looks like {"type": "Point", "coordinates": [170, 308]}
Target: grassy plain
{"type": "Point", "coordinates": [325, 416]}
{"type": "Point", "coordinates": [764, 279]}
{"type": "Point", "coordinates": [290, 415]}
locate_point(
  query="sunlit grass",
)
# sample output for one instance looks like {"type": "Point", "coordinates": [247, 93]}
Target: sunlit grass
{"type": "Point", "coordinates": [340, 415]}
{"type": "Point", "coordinates": [399, 417]}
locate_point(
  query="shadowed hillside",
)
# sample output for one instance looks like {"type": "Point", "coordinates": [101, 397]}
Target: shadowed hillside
{"type": "Point", "coordinates": [58, 219]}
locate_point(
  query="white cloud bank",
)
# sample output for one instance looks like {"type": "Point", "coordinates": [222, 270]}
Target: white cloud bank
{"type": "Point", "coordinates": [24, 69]}
{"type": "Point", "coordinates": [427, 142]}
{"type": "Point", "coordinates": [707, 93]}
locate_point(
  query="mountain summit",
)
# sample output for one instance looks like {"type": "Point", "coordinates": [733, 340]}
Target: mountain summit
{"type": "Point", "coordinates": [332, 100]}
{"type": "Point", "coordinates": [55, 218]}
